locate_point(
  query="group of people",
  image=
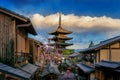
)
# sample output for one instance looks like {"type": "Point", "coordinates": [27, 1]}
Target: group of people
{"type": "Point", "coordinates": [68, 75]}
{"type": "Point", "coordinates": [63, 72]}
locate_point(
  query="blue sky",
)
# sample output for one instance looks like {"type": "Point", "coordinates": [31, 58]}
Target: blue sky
{"type": "Point", "coordinates": [78, 7]}
{"type": "Point", "coordinates": [92, 20]}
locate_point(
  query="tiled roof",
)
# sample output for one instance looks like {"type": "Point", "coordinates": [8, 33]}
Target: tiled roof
{"type": "Point", "coordinates": [85, 68]}
{"type": "Point", "coordinates": [14, 71]}
{"type": "Point", "coordinates": [108, 64]}
{"type": "Point", "coordinates": [61, 37]}
{"type": "Point", "coordinates": [28, 27]}
{"type": "Point", "coordinates": [63, 44]}
{"type": "Point", "coordinates": [101, 44]}
{"type": "Point", "coordinates": [30, 68]}
{"type": "Point", "coordinates": [60, 30]}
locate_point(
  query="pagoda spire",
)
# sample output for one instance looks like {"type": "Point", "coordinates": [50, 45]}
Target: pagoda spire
{"type": "Point", "coordinates": [59, 19]}
{"type": "Point", "coordinates": [60, 37]}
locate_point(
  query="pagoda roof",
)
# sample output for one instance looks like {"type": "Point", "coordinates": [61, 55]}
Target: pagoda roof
{"type": "Point", "coordinates": [62, 44]}
{"type": "Point", "coordinates": [60, 30]}
{"type": "Point", "coordinates": [61, 38]}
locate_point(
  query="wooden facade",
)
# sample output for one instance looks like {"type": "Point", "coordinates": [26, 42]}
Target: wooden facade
{"type": "Point", "coordinates": [107, 70]}
{"type": "Point", "coordinates": [14, 38]}
{"type": "Point", "coordinates": [35, 51]}
{"type": "Point", "coordinates": [110, 52]}
{"type": "Point", "coordinates": [14, 42]}
{"type": "Point", "coordinates": [7, 39]}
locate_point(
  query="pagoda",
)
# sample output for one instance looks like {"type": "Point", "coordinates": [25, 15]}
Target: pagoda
{"type": "Point", "coordinates": [60, 37]}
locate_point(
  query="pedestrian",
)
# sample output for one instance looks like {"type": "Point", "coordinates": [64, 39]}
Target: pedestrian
{"type": "Point", "coordinates": [68, 75]}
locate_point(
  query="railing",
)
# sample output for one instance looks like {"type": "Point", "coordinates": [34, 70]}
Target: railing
{"type": "Point", "coordinates": [21, 58]}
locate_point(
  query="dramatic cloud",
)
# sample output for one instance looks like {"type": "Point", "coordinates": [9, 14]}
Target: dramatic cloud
{"type": "Point", "coordinates": [85, 28]}
{"type": "Point", "coordinates": [73, 21]}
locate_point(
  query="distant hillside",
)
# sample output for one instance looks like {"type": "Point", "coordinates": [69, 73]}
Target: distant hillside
{"type": "Point", "coordinates": [68, 51]}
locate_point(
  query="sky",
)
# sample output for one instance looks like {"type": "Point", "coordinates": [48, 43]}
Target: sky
{"type": "Point", "coordinates": [89, 20]}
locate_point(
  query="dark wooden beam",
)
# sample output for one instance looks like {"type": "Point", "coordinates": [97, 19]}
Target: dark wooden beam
{"type": "Point", "coordinates": [8, 12]}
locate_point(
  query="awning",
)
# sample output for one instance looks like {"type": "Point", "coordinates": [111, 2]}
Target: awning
{"type": "Point", "coordinates": [28, 27]}
{"type": "Point", "coordinates": [85, 68]}
{"type": "Point", "coordinates": [108, 64]}
{"type": "Point", "coordinates": [30, 68]}
{"type": "Point", "coordinates": [14, 71]}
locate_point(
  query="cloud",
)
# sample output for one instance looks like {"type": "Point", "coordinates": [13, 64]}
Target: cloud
{"type": "Point", "coordinates": [78, 46]}
{"type": "Point", "coordinates": [85, 28]}
{"type": "Point", "coordinates": [73, 21]}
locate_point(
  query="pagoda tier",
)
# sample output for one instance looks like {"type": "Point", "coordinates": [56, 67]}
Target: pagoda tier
{"type": "Point", "coordinates": [61, 44]}
{"type": "Point", "coordinates": [60, 38]}
{"type": "Point", "coordinates": [60, 30]}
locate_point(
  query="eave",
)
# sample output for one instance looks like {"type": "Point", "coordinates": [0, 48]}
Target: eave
{"type": "Point", "coordinates": [28, 27]}
{"type": "Point", "coordinates": [60, 38]}
{"type": "Point", "coordinates": [63, 44]}
{"type": "Point", "coordinates": [60, 30]}
{"type": "Point", "coordinates": [13, 14]}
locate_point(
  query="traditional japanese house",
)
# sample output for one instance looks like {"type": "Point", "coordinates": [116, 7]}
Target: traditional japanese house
{"type": "Point", "coordinates": [75, 57]}
{"type": "Point", "coordinates": [14, 46]}
{"type": "Point", "coordinates": [60, 37]}
{"type": "Point", "coordinates": [88, 58]}
{"type": "Point", "coordinates": [11, 73]}
{"type": "Point", "coordinates": [35, 51]}
{"type": "Point", "coordinates": [85, 72]}
{"type": "Point", "coordinates": [108, 70]}
{"type": "Point", "coordinates": [108, 50]}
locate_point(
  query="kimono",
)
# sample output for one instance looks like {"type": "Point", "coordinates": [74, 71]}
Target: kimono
{"type": "Point", "coordinates": [69, 76]}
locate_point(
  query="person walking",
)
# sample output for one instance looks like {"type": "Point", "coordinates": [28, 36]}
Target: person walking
{"type": "Point", "coordinates": [68, 75]}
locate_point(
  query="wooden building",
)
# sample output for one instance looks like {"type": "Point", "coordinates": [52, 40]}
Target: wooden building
{"type": "Point", "coordinates": [14, 44]}
{"type": "Point", "coordinates": [108, 50]}
{"type": "Point", "coordinates": [35, 51]}
{"type": "Point", "coordinates": [60, 37]}
{"type": "Point", "coordinates": [75, 57]}
{"type": "Point", "coordinates": [85, 72]}
{"type": "Point", "coordinates": [108, 70]}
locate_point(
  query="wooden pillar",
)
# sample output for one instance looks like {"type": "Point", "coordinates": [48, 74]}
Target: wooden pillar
{"type": "Point", "coordinates": [98, 56]}
{"type": "Point", "coordinates": [14, 37]}
{"type": "Point", "coordinates": [109, 53]}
